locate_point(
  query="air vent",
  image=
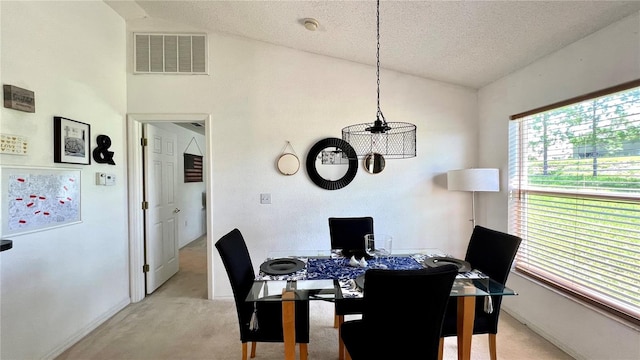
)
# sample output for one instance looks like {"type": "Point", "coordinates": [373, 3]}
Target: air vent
{"type": "Point", "coordinates": [182, 54]}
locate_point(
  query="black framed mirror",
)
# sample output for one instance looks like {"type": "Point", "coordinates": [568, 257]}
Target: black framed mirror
{"type": "Point", "coordinates": [332, 163]}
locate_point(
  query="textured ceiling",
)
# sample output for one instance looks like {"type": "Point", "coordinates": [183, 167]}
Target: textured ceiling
{"type": "Point", "coordinates": [470, 43]}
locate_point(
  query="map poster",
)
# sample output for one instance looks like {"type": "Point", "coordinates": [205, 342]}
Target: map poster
{"type": "Point", "coordinates": [36, 199]}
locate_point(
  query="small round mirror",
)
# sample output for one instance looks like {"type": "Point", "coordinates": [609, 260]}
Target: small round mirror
{"type": "Point", "coordinates": [288, 164]}
{"type": "Point", "coordinates": [373, 163]}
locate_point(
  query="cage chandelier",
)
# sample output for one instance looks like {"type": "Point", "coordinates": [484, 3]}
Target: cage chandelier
{"type": "Point", "coordinates": [393, 140]}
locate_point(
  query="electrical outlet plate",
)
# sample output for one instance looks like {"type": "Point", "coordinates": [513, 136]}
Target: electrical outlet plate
{"type": "Point", "coordinates": [265, 198]}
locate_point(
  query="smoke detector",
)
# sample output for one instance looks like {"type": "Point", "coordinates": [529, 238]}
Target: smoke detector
{"type": "Point", "coordinates": [311, 24]}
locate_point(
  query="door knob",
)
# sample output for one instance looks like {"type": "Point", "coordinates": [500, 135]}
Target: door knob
{"type": "Point", "coordinates": [176, 210]}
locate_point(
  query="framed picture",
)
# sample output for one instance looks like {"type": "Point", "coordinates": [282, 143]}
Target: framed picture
{"type": "Point", "coordinates": [71, 141]}
{"type": "Point", "coordinates": [37, 199]}
{"type": "Point", "coordinates": [192, 168]}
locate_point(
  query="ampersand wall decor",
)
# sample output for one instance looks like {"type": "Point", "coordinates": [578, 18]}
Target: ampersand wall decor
{"type": "Point", "coordinates": [101, 153]}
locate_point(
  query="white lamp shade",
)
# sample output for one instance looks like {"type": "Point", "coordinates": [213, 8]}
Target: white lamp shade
{"type": "Point", "coordinates": [473, 180]}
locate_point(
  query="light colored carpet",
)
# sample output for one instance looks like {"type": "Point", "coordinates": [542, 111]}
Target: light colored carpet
{"type": "Point", "coordinates": [178, 322]}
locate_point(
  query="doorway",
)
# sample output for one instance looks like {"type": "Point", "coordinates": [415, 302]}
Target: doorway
{"type": "Point", "coordinates": [135, 124]}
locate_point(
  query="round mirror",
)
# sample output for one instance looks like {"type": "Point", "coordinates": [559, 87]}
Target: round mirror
{"type": "Point", "coordinates": [288, 164]}
{"type": "Point", "coordinates": [332, 163]}
{"type": "Point", "coordinates": [373, 163]}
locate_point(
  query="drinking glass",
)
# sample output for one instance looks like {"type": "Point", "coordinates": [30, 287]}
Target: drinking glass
{"type": "Point", "coordinates": [377, 245]}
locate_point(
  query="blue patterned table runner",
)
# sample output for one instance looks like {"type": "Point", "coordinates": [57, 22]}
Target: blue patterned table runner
{"type": "Point", "coordinates": [339, 268]}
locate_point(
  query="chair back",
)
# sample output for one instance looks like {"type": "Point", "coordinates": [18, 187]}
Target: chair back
{"type": "Point", "coordinates": [237, 262]}
{"type": "Point", "coordinates": [492, 252]}
{"type": "Point", "coordinates": [404, 310]}
{"type": "Point", "coordinates": [347, 233]}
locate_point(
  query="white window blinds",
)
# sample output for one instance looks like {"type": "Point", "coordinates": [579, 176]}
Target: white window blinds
{"type": "Point", "coordinates": [574, 178]}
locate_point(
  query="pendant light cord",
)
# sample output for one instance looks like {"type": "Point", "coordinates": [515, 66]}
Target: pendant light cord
{"type": "Point", "coordinates": [379, 115]}
{"type": "Point", "coordinates": [395, 140]}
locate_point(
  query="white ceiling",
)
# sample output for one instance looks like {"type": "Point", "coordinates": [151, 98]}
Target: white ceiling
{"type": "Point", "coordinates": [470, 43]}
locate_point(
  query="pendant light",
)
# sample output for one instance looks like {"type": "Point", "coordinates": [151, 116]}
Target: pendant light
{"type": "Point", "coordinates": [393, 140]}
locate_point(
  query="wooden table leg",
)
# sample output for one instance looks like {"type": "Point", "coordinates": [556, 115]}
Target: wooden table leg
{"type": "Point", "coordinates": [289, 324]}
{"type": "Point", "coordinates": [340, 319]}
{"type": "Point", "coordinates": [466, 317]}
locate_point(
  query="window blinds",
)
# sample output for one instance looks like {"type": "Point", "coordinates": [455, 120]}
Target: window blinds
{"type": "Point", "coordinates": [574, 181]}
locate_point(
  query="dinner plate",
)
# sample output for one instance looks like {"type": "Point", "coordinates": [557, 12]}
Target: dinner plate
{"type": "Point", "coordinates": [281, 266]}
{"type": "Point", "coordinates": [463, 266]}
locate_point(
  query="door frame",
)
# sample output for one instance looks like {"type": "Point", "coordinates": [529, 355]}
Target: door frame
{"type": "Point", "coordinates": [136, 195]}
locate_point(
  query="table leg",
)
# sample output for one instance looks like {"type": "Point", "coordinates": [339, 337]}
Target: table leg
{"type": "Point", "coordinates": [340, 319]}
{"type": "Point", "coordinates": [466, 317]}
{"type": "Point", "coordinates": [289, 324]}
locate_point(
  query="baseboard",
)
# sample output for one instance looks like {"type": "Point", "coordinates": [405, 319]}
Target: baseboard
{"type": "Point", "coordinates": [190, 241]}
{"type": "Point", "coordinates": [545, 335]}
{"type": "Point", "coordinates": [87, 329]}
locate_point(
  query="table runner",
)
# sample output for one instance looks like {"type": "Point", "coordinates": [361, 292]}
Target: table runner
{"type": "Point", "coordinates": [339, 268]}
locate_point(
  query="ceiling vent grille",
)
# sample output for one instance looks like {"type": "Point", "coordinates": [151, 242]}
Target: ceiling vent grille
{"type": "Point", "coordinates": [182, 54]}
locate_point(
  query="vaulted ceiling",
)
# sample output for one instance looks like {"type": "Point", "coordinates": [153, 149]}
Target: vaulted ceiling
{"type": "Point", "coordinates": [469, 43]}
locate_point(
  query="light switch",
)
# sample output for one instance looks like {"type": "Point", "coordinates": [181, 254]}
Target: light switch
{"type": "Point", "coordinates": [101, 178]}
{"type": "Point", "coordinates": [265, 198]}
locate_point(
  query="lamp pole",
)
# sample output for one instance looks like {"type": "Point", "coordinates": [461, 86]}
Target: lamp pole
{"type": "Point", "coordinates": [473, 209]}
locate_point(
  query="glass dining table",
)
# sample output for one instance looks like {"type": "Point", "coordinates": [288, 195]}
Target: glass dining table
{"type": "Point", "coordinates": [328, 276]}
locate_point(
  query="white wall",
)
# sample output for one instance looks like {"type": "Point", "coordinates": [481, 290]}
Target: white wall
{"type": "Point", "coordinates": [58, 284]}
{"type": "Point", "coordinates": [261, 96]}
{"type": "Point", "coordinates": [605, 58]}
{"type": "Point", "coordinates": [191, 218]}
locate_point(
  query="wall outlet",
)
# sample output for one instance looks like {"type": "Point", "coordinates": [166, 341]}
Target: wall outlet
{"type": "Point", "coordinates": [265, 198]}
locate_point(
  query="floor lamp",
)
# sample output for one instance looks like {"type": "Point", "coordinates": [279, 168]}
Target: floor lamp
{"type": "Point", "coordinates": [473, 180]}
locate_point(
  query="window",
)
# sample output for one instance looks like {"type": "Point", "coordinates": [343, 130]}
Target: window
{"type": "Point", "coordinates": [574, 197]}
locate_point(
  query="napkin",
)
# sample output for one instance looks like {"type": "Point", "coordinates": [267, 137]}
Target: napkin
{"type": "Point", "coordinates": [353, 262]}
{"type": "Point", "coordinates": [358, 263]}
{"type": "Point", "coordinates": [363, 263]}
{"type": "Point", "coordinates": [349, 289]}
{"type": "Point", "coordinates": [473, 274]}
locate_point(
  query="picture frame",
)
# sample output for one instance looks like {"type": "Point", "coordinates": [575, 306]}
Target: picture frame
{"type": "Point", "coordinates": [192, 168]}
{"type": "Point", "coordinates": [19, 99]}
{"type": "Point", "coordinates": [71, 141]}
{"type": "Point", "coordinates": [39, 198]}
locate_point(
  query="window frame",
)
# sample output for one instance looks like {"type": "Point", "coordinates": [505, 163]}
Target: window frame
{"type": "Point", "coordinates": [519, 192]}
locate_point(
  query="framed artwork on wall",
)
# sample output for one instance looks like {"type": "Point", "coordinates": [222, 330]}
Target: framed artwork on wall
{"type": "Point", "coordinates": [71, 141]}
{"type": "Point", "coordinates": [37, 199]}
{"type": "Point", "coordinates": [192, 168]}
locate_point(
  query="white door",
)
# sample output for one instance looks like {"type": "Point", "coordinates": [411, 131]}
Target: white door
{"type": "Point", "coordinates": [161, 219]}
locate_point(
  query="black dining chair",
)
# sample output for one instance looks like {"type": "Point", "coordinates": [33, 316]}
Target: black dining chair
{"type": "Point", "coordinates": [492, 252]}
{"type": "Point", "coordinates": [237, 262]}
{"type": "Point", "coordinates": [347, 234]}
{"type": "Point", "coordinates": [403, 313]}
